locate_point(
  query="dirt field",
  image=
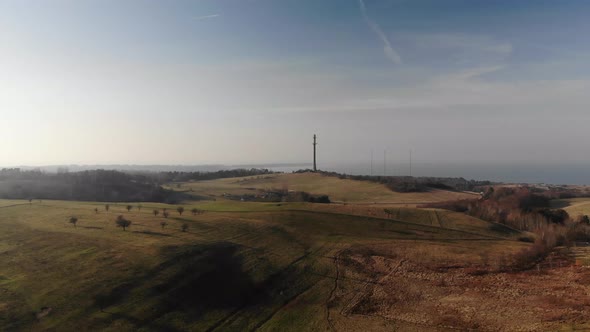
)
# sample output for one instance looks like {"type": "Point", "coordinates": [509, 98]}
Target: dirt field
{"type": "Point", "coordinates": [455, 294]}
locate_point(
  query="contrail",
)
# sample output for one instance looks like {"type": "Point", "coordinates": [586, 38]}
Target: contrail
{"type": "Point", "coordinates": [390, 53]}
{"type": "Point", "coordinates": [206, 17]}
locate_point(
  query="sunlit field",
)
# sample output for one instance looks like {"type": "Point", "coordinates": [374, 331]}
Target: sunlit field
{"type": "Point", "coordinates": [574, 206]}
{"type": "Point", "coordinates": [339, 190]}
{"type": "Point", "coordinates": [266, 266]}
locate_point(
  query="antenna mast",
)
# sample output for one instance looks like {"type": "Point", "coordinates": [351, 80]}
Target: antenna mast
{"type": "Point", "coordinates": [384, 163]}
{"type": "Point", "coordinates": [371, 162]}
{"type": "Point", "coordinates": [410, 162]}
{"type": "Point", "coordinates": [314, 153]}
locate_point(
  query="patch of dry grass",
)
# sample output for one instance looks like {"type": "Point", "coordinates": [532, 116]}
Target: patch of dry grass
{"type": "Point", "coordinates": [343, 190]}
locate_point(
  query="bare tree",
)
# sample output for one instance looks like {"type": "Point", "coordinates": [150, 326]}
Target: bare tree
{"type": "Point", "coordinates": [74, 221]}
{"type": "Point", "coordinates": [163, 224]}
{"type": "Point", "coordinates": [122, 222]}
{"type": "Point", "coordinates": [95, 210]}
{"type": "Point", "coordinates": [107, 207]}
{"type": "Point", "coordinates": [180, 210]}
{"type": "Point", "coordinates": [388, 212]}
{"type": "Point", "coordinates": [139, 206]}
{"type": "Point", "coordinates": [184, 227]}
{"type": "Point", "coordinates": [195, 211]}
{"type": "Point", "coordinates": [156, 213]}
{"type": "Point", "coordinates": [129, 207]}
{"type": "Point", "coordinates": [165, 214]}
{"type": "Point", "coordinates": [30, 201]}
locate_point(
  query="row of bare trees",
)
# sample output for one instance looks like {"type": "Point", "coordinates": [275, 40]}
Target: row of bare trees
{"type": "Point", "coordinates": [156, 212]}
{"type": "Point", "coordinates": [121, 221]}
{"type": "Point", "coordinates": [124, 223]}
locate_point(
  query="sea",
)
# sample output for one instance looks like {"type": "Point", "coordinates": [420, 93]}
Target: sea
{"type": "Point", "coordinates": [537, 173]}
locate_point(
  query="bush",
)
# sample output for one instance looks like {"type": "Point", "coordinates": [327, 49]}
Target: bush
{"type": "Point", "coordinates": [320, 199]}
{"type": "Point", "coordinates": [558, 216]}
{"type": "Point", "coordinates": [528, 201]}
{"type": "Point", "coordinates": [527, 239]}
{"type": "Point", "coordinates": [529, 257]}
{"type": "Point", "coordinates": [584, 220]}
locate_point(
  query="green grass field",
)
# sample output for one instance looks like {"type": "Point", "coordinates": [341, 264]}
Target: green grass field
{"type": "Point", "coordinates": [337, 189]}
{"type": "Point", "coordinates": [258, 266]}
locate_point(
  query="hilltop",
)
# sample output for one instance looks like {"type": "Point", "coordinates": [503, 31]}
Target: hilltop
{"type": "Point", "coordinates": [338, 189]}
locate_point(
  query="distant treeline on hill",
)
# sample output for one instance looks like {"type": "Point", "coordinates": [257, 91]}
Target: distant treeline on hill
{"type": "Point", "coordinates": [415, 184]}
{"type": "Point", "coordinates": [104, 185]}
{"type": "Point", "coordinates": [200, 176]}
{"type": "Point", "coordinates": [96, 185]}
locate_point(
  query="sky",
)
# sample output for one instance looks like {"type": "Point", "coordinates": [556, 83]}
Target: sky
{"type": "Point", "coordinates": [251, 81]}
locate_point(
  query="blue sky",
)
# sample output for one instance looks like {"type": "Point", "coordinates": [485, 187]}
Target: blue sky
{"type": "Point", "coordinates": [249, 81]}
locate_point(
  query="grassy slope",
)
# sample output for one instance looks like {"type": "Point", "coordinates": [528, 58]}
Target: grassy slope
{"type": "Point", "coordinates": [573, 206]}
{"type": "Point", "coordinates": [266, 267]}
{"type": "Point", "coordinates": [337, 189]}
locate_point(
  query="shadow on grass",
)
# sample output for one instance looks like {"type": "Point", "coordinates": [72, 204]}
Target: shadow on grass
{"type": "Point", "coordinates": [560, 204]}
{"type": "Point", "coordinates": [192, 281]}
{"type": "Point", "coordinates": [152, 233]}
{"type": "Point", "coordinates": [496, 227]}
{"type": "Point", "coordinates": [90, 227]}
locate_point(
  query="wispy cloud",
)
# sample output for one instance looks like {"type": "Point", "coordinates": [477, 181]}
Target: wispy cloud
{"type": "Point", "coordinates": [390, 53]}
{"type": "Point", "coordinates": [206, 17]}
{"type": "Point", "coordinates": [466, 49]}
{"type": "Point", "coordinates": [474, 73]}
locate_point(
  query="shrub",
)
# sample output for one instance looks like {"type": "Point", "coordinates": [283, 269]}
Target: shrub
{"type": "Point", "coordinates": [585, 220]}
{"type": "Point", "coordinates": [525, 238]}
{"type": "Point", "coordinates": [320, 199]}
{"type": "Point", "coordinates": [74, 221]}
{"type": "Point", "coordinates": [529, 257]}
{"type": "Point", "coordinates": [558, 216]}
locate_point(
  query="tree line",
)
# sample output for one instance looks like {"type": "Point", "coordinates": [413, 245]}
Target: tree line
{"type": "Point", "coordinates": [163, 177]}
{"type": "Point", "coordinates": [96, 185]}
{"type": "Point", "coordinates": [104, 185]}
{"type": "Point", "coordinates": [529, 210]}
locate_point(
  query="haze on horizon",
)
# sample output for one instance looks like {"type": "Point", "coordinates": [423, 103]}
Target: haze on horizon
{"type": "Point", "coordinates": [238, 82]}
